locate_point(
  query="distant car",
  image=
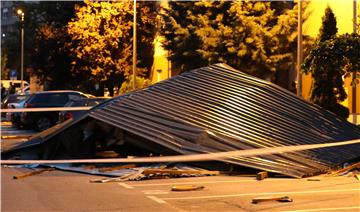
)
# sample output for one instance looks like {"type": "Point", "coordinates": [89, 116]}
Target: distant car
{"type": "Point", "coordinates": [15, 117]}
{"type": "Point", "coordinates": [90, 102]}
{"type": "Point", "coordinates": [44, 120]}
{"type": "Point", "coordinates": [12, 98]}
{"type": "Point", "coordinates": [24, 90]}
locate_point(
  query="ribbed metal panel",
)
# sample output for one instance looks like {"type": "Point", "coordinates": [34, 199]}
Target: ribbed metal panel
{"type": "Point", "coordinates": [218, 108]}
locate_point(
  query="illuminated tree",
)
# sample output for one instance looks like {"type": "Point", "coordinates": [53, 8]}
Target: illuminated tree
{"type": "Point", "coordinates": [102, 40]}
{"type": "Point", "coordinates": [256, 37]}
{"type": "Point", "coordinates": [329, 62]}
{"type": "Point", "coordinates": [328, 28]}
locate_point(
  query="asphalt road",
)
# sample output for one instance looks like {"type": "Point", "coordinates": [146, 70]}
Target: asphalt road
{"type": "Point", "coordinates": [70, 191]}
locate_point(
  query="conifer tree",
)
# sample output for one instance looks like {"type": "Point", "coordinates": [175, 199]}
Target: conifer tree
{"type": "Point", "coordinates": [327, 62]}
{"type": "Point", "coordinates": [328, 28]}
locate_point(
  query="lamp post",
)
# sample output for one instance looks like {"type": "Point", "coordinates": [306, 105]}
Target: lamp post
{"type": "Point", "coordinates": [134, 47]}
{"type": "Point", "coordinates": [21, 13]}
{"type": "Point", "coordinates": [299, 50]}
{"type": "Point", "coordinates": [354, 91]}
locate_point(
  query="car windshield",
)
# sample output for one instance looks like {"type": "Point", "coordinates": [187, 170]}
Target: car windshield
{"type": "Point", "coordinates": [16, 98]}
{"type": "Point", "coordinates": [85, 102]}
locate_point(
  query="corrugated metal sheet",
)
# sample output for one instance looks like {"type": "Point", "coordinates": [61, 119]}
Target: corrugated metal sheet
{"type": "Point", "coordinates": [218, 108]}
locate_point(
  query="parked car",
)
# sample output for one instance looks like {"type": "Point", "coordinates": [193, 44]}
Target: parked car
{"type": "Point", "coordinates": [90, 102]}
{"type": "Point", "coordinates": [15, 117]}
{"type": "Point", "coordinates": [13, 98]}
{"type": "Point", "coordinates": [43, 120]}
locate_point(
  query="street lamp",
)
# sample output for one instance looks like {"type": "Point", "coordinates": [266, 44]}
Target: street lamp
{"type": "Point", "coordinates": [134, 47]}
{"type": "Point", "coordinates": [299, 49]}
{"type": "Point", "coordinates": [20, 12]}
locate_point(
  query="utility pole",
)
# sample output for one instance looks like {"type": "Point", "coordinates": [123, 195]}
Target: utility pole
{"type": "Point", "coordinates": [354, 91]}
{"type": "Point", "coordinates": [299, 49]}
{"type": "Point", "coordinates": [20, 12]}
{"type": "Point", "coordinates": [134, 48]}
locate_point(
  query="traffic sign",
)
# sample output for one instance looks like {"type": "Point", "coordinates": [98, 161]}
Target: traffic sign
{"type": "Point", "coordinates": [13, 75]}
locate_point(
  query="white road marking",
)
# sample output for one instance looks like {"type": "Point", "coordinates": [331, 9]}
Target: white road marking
{"type": "Point", "coordinates": [207, 182]}
{"type": "Point", "coordinates": [260, 194]}
{"type": "Point", "coordinates": [326, 209]}
{"type": "Point", "coordinates": [158, 200]}
{"type": "Point", "coordinates": [126, 185]}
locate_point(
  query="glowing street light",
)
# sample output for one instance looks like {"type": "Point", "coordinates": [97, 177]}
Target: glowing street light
{"type": "Point", "coordinates": [21, 13]}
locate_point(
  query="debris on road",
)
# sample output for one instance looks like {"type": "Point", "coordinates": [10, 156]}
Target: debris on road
{"type": "Point", "coordinates": [187, 188]}
{"type": "Point", "coordinates": [16, 177]}
{"type": "Point", "coordinates": [130, 172]}
{"type": "Point", "coordinates": [207, 110]}
{"type": "Point", "coordinates": [271, 198]}
{"type": "Point", "coordinates": [262, 175]}
{"type": "Point", "coordinates": [109, 169]}
{"type": "Point", "coordinates": [347, 169]}
{"type": "Point", "coordinates": [177, 172]}
{"type": "Point", "coordinates": [313, 179]}
{"type": "Point", "coordinates": [357, 176]}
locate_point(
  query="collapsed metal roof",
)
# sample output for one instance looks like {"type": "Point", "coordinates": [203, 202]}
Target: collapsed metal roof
{"type": "Point", "coordinates": [218, 108]}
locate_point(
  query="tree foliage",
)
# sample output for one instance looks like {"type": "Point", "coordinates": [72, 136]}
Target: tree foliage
{"type": "Point", "coordinates": [329, 62]}
{"type": "Point", "coordinates": [328, 28]}
{"type": "Point", "coordinates": [257, 37]}
{"type": "Point", "coordinates": [102, 39]}
{"type": "Point", "coordinates": [49, 56]}
{"type": "Point", "coordinates": [127, 85]}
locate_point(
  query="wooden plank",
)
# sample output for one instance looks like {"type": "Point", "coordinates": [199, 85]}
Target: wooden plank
{"type": "Point", "coordinates": [109, 169]}
{"type": "Point", "coordinates": [262, 175]}
{"type": "Point", "coordinates": [348, 168]}
{"type": "Point", "coordinates": [271, 198]}
{"type": "Point", "coordinates": [16, 177]}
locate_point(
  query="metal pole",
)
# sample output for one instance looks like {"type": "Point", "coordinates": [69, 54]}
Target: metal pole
{"type": "Point", "coordinates": [299, 49]}
{"type": "Point", "coordinates": [134, 47]}
{"type": "Point", "coordinates": [22, 50]}
{"type": "Point", "coordinates": [354, 91]}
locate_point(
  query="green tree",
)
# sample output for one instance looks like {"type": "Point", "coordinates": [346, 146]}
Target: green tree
{"type": "Point", "coordinates": [257, 37]}
{"type": "Point", "coordinates": [4, 70]}
{"type": "Point", "coordinates": [328, 28]}
{"type": "Point", "coordinates": [329, 62]}
{"type": "Point", "coordinates": [49, 57]}
{"type": "Point", "coordinates": [127, 85]}
{"type": "Point", "coordinates": [102, 40]}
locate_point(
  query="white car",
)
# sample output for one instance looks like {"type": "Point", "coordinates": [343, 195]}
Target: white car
{"type": "Point", "coordinates": [15, 117]}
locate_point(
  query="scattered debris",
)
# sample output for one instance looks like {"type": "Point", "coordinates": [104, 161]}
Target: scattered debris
{"type": "Point", "coordinates": [357, 176]}
{"type": "Point", "coordinates": [109, 169]}
{"type": "Point", "coordinates": [347, 169]}
{"type": "Point", "coordinates": [313, 179]}
{"type": "Point", "coordinates": [130, 173]}
{"type": "Point", "coordinates": [16, 177]}
{"type": "Point", "coordinates": [262, 175]}
{"type": "Point", "coordinates": [176, 172]}
{"type": "Point", "coordinates": [271, 198]}
{"type": "Point", "coordinates": [107, 154]}
{"type": "Point", "coordinates": [187, 188]}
